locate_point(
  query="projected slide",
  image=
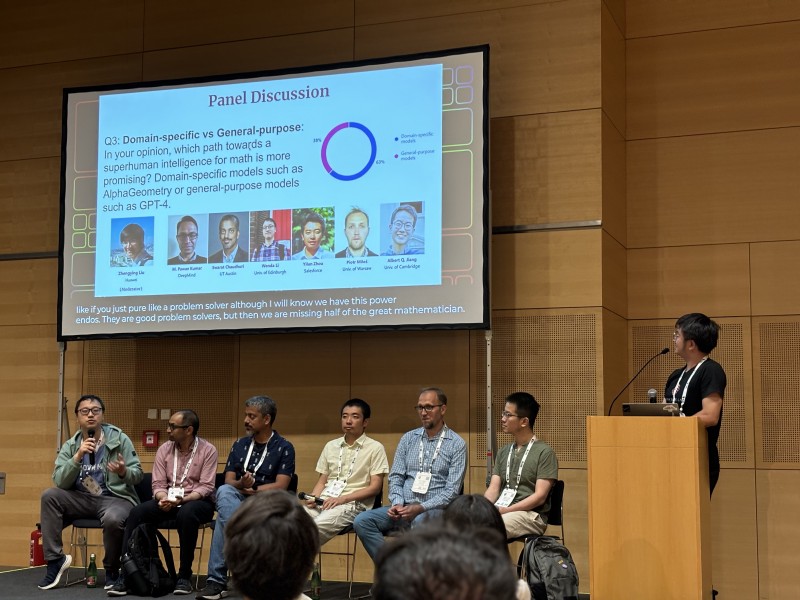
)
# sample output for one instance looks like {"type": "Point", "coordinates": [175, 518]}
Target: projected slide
{"type": "Point", "coordinates": [342, 198]}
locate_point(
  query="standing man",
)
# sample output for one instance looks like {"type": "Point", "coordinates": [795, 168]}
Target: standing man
{"type": "Point", "coordinates": [699, 387]}
{"type": "Point", "coordinates": [260, 461]}
{"type": "Point", "coordinates": [427, 473]}
{"type": "Point", "coordinates": [356, 230]}
{"type": "Point", "coordinates": [524, 472]}
{"type": "Point", "coordinates": [95, 472]}
{"type": "Point", "coordinates": [183, 488]}
{"type": "Point", "coordinates": [401, 228]}
{"type": "Point", "coordinates": [313, 233]}
{"type": "Point", "coordinates": [229, 240]}
{"type": "Point", "coordinates": [351, 471]}
{"type": "Point", "coordinates": [186, 236]}
{"type": "Point", "coordinates": [270, 249]}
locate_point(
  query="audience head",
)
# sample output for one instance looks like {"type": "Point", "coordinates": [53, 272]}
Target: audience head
{"type": "Point", "coordinates": [270, 546]}
{"type": "Point", "coordinates": [471, 511]}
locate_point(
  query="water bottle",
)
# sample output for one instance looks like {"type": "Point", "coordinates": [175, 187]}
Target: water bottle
{"type": "Point", "coordinates": [91, 573]}
{"type": "Point", "coordinates": [316, 584]}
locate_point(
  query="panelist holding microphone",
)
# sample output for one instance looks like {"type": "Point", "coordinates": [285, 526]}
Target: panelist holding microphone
{"type": "Point", "coordinates": [699, 387]}
{"type": "Point", "coordinates": [95, 472]}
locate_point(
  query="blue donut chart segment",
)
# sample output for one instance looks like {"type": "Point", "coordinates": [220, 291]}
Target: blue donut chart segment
{"type": "Point", "coordinates": [370, 162]}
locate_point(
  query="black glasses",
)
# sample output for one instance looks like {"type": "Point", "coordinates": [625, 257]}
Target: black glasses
{"type": "Point", "coordinates": [507, 415]}
{"type": "Point", "coordinates": [426, 408]}
{"type": "Point", "coordinates": [85, 411]}
{"type": "Point", "coordinates": [172, 426]}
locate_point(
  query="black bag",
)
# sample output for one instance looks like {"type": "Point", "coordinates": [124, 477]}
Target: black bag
{"type": "Point", "coordinates": [549, 570]}
{"type": "Point", "coordinates": [143, 570]}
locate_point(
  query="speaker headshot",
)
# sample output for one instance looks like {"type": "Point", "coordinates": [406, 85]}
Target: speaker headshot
{"type": "Point", "coordinates": [186, 236]}
{"type": "Point", "coordinates": [356, 231]}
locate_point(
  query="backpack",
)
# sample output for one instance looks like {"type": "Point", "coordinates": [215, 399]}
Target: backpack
{"type": "Point", "coordinates": [144, 572]}
{"type": "Point", "coordinates": [549, 570]}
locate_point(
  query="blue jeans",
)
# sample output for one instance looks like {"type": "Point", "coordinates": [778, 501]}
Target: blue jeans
{"type": "Point", "coordinates": [228, 500]}
{"type": "Point", "coordinates": [372, 525]}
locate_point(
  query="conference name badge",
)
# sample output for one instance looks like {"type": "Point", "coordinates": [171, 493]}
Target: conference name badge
{"type": "Point", "coordinates": [421, 483]}
{"type": "Point", "coordinates": [506, 498]}
{"type": "Point", "coordinates": [174, 494]}
{"type": "Point", "coordinates": [333, 489]}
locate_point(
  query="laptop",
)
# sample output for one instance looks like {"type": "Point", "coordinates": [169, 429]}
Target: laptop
{"type": "Point", "coordinates": [646, 409]}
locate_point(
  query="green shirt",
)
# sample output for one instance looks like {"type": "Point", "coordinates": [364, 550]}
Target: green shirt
{"type": "Point", "coordinates": [541, 463]}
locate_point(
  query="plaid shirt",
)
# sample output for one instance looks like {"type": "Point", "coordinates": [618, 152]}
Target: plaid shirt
{"type": "Point", "coordinates": [266, 253]}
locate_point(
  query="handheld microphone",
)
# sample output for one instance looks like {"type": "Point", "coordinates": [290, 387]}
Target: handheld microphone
{"type": "Point", "coordinates": [652, 358]}
{"type": "Point", "coordinates": [652, 394]}
{"type": "Point", "coordinates": [304, 496]}
{"type": "Point", "coordinates": [90, 433]}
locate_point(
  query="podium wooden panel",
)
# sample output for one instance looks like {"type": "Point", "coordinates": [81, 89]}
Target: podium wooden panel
{"type": "Point", "coordinates": [649, 508]}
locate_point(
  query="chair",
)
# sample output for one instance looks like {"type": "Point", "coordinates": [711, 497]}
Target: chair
{"type": "Point", "coordinates": [555, 516]}
{"type": "Point", "coordinates": [79, 537]}
{"type": "Point", "coordinates": [351, 543]}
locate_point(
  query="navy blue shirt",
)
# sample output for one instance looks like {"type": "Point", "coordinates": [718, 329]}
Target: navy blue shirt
{"type": "Point", "coordinates": [279, 459]}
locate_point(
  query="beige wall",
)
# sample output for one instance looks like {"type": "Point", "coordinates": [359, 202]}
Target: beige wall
{"type": "Point", "coordinates": [661, 140]}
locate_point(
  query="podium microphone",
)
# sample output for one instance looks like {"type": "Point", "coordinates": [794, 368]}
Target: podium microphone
{"type": "Point", "coordinates": [652, 358]}
{"type": "Point", "coordinates": [652, 395]}
{"type": "Point", "coordinates": [90, 433]}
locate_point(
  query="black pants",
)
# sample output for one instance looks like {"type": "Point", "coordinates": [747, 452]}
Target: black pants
{"type": "Point", "coordinates": [188, 518]}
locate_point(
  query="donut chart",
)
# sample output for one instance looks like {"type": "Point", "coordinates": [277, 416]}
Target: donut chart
{"type": "Point", "coordinates": [373, 151]}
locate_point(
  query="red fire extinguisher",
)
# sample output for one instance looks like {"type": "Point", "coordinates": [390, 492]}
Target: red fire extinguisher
{"type": "Point", "coordinates": [37, 552]}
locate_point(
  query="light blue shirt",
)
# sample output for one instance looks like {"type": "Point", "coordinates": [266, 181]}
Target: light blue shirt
{"type": "Point", "coordinates": [320, 255]}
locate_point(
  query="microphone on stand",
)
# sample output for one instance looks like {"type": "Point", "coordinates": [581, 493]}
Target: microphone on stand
{"type": "Point", "coordinates": [652, 394]}
{"type": "Point", "coordinates": [652, 358]}
{"type": "Point", "coordinates": [90, 433]}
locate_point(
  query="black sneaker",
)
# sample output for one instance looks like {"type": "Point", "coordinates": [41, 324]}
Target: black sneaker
{"type": "Point", "coordinates": [111, 578]}
{"type": "Point", "coordinates": [55, 569]}
{"type": "Point", "coordinates": [183, 587]}
{"type": "Point", "coordinates": [119, 588]}
{"type": "Point", "coordinates": [212, 591]}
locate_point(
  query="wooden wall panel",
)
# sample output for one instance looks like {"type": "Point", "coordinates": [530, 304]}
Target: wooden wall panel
{"type": "Point", "coordinates": [612, 69]}
{"type": "Point", "coordinates": [615, 371]}
{"type": "Point", "coordinates": [31, 189]}
{"type": "Point", "coordinates": [371, 13]}
{"type": "Point", "coordinates": [615, 276]}
{"type": "Point", "coordinates": [545, 57]}
{"type": "Point", "coordinates": [617, 9]}
{"type": "Point", "coordinates": [669, 282]}
{"type": "Point", "coordinates": [299, 50]}
{"type": "Point", "coordinates": [776, 277]}
{"type": "Point", "coordinates": [778, 505]}
{"type": "Point", "coordinates": [714, 81]}
{"type": "Point", "coordinates": [546, 168]}
{"type": "Point", "coordinates": [656, 17]}
{"type": "Point", "coordinates": [52, 31]}
{"type": "Point", "coordinates": [614, 194]}
{"type": "Point", "coordinates": [746, 183]}
{"type": "Point", "coordinates": [547, 269]}
{"type": "Point", "coordinates": [28, 292]}
{"type": "Point", "coordinates": [203, 22]}
{"type": "Point", "coordinates": [30, 106]}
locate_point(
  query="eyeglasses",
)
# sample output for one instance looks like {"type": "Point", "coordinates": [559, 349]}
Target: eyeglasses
{"type": "Point", "coordinates": [172, 426]}
{"type": "Point", "coordinates": [507, 415]}
{"type": "Point", "coordinates": [85, 411]}
{"type": "Point", "coordinates": [676, 335]}
{"type": "Point", "coordinates": [426, 408]}
{"type": "Point", "coordinates": [407, 225]}
{"type": "Point", "coordinates": [268, 226]}
{"type": "Point", "coordinates": [187, 236]}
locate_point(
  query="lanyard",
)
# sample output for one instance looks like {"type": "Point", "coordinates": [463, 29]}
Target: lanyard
{"type": "Point", "coordinates": [677, 387]}
{"type": "Point", "coordinates": [352, 462]}
{"type": "Point", "coordinates": [186, 468]}
{"type": "Point", "coordinates": [264, 454]}
{"type": "Point", "coordinates": [435, 452]}
{"type": "Point", "coordinates": [521, 464]}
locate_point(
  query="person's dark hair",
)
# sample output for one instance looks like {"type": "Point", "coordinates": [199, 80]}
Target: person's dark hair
{"type": "Point", "coordinates": [470, 511]}
{"type": "Point", "coordinates": [358, 402]}
{"type": "Point", "coordinates": [700, 329]}
{"type": "Point", "coordinates": [190, 417]}
{"type": "Point", "coordinates": [270, 546]}
{"type": "Point", "coordinates": [313, 217]}
{"type": "Point", "coordinates": [404, 208]}
{"type": "Point", "coordinates": [440, 395]}
{"type": "Point", "coordinates": [526, 404]}
{"type": "Point", "coordinates": [89, 398]}
{"type": "Point", "coordinates": [132, 231]}
{"type": "Point", "coordinates": [186, 219]}
{"type": "Point", "coordinates": [435, 561]}
{"type": "Point", "coordinates": [232, 218]}
{"type": "Point", "coordinates": [265, 405]}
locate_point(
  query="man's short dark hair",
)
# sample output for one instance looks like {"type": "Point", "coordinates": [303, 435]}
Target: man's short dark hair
{"type": "Point", "coordinates": [358, 402]}
{"type": "Point", "coordinates": [270, 546]}
{"type": "Point", "coordinates": [265, 405]}
{"type": "Point", "coordinates": [470, 511]}
{"type": "Point", "coordinates": [189, 417]}
{"type": "Point", "coordinates": [526, 404]}
{"type": "Point", "coordinates": [132, 231]}
{"type": "Point", "coordinates": [232, 218]}
{"type": "Point", "coordinates": [434, 561]}
{"type": "Point", "coordinates": [186, 219]}
{"type": "Point", "coordinates": [405, 208]}
{"type": "Point", "coordinates": [700, 329]}
{"type": "Point", "coordinates": [440, 395]}
{"type": "Point", "coordinates": [313, 217]}
{"type": "Point", "coordinates": [91, 398]}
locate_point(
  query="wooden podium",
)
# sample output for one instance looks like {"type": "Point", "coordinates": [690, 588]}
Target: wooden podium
{"type": "Point", "coordinates": [649, 509]}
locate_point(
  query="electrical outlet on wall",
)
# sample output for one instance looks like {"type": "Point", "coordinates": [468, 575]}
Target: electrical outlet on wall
{"type": "Point", "coordinates": [165, 413]}
{"type": "Point", "coordinates": [152, 413]}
